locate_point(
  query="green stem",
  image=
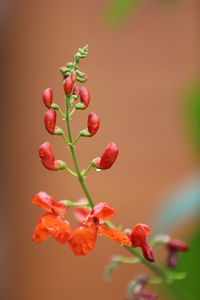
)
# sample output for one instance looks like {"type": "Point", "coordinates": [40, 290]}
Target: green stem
{"type": "Point", "coordinates": [64, 138]}
{"type": "Point", "coordinates": [73, 111]}
{"type": "Point", "coordinates": [80, 178]}
{"type": "Point", "coordinates": [69, 203]}
{"type": "Point", "coordinates": [70, 171]}
{"type": "Point", "coordinates": [78, 137]}
{"type": "Point", "coordinates": [88, 169]}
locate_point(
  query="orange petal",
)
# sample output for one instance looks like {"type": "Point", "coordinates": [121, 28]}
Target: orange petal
{"type": "Point", "coordinates": [40, 232]}
{"type": "Point", "coordinates": [47, 203]}
{"type": "Point", "coordinates": [82, 240]}
{"type": "Point", "coordinates": [102, 211]}
{"type": "Point", "coordinates": [81, 213]}
{"type": "Point", "coordinates": [139, 234]}
{"type": "Point", "coordinates": [57, 227]}
{"type": "Point", "coordinates": [114, 234]}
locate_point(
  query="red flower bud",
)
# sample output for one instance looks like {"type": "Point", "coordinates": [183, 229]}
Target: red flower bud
{"type": "Point", "coordinates": [76, 90]}
{"type": "Point", "coordinates": [74, 76]}
{"type": "Point", "coordinates": [48, 97]}
{"type": "Point", "coordinates": [108, 157]}
{"type": "Point", "coordinates": [177, 246]}
{"type": "Point", "coordinates": [147, 252]}
{"type": "Point", "coordinates": [84, 97]}
{"type": "Point", "coordinates": [93, 123]}
{"type": "Point", "coordinates": [50, 120]}
{"type": "Point", "coordinates": [68, 85]}
{"type": "Point", "coordinates": [47, 158]}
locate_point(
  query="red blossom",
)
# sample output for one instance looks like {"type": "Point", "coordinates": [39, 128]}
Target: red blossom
{"type": "Point", "coordinates": [173, 247]}
{"type": "Point", "coordinates": [68, 85]}
{"type": "Point", "coordinates": [80, 212]}
{"type": "Point", "coordinates": [46, 202]}
{"type": "Point", "coordinates": [82, 240]}
{"type": "Point", "coordinates": [93, 123]}
{"type": "Point", "coordinates": [50, 120]}
{"type": "Point", "coordinates": [76, 90]}
{"type": "Point", "coordinates": [51, 223]}
{"type": "Point", "coordinates": [47, 157]}
{"type": "Point", "coordinates": [138, 238]}
{"type": "Point", "coordinates": [108, 157]}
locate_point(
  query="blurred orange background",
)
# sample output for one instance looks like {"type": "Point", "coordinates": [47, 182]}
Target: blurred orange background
{"type": "Point", "coordinates": [136, 74]}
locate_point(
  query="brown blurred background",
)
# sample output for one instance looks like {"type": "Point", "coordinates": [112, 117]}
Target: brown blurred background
{"type": "Point", "coordinates": [136, 74]}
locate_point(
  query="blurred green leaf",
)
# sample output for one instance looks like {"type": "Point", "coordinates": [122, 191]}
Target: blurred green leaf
{"type": "Point", "coordinates": [189, 287]}
{"type": "Point", "coordinates": [192, 113]}
{"type": "Point", "coordinates": [118, 10]}
{"type": "Point", "coordinates": [181, 205]}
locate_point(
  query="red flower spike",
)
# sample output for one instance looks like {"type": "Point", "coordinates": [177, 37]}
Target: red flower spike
{"type": "Point", "coordinates": [138, 237]}
{"type": "Point", "coordinates": [101, 211]}
{"type": "Point", "coordinates": [177, 246]}
{"type": "Point", "coordinates": [50, 120]}
{"type": "Point", "coordinates": [47, 203]}
{"type": "Point", "coordinates": [84, 96]}
{"type": "Point", "coordinates": [81, 213]}
{"type": "Point", "coordinates": [68, 85]}
{"type": "Point", "coordinates": [83, 239]}
{"type": "Point", "coordinates": [51, 224]}
{"type": "Point", "coordinates": [48, 97]}
{"type": "Point", "coordinates": [93, 123]}
{"type": "Point", "coordinates": [108, 157]}
{"type": "Point", "coordinates": [47, 158]}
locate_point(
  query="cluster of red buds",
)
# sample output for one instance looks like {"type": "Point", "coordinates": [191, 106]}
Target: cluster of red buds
{"type": "Point", "coordinates": [93, 219]}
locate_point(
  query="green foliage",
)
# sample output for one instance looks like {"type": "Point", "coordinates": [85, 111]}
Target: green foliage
{"type": "Point", "coordinates": [192, 113]}
{"type": "Point", "coordinates": [118, 10]}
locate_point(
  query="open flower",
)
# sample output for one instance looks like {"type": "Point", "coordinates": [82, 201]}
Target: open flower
{"type": "Point", "coordinates": [51, 223]}
{"type": "Point", "coordinates": [82, 240]}
{"type": "Point", "coordinates": [138, 237]}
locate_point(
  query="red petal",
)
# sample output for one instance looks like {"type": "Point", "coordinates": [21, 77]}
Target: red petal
{"type": "Point", "coordinates": [147, 252]}
{"type": "Point", "coordinates": [82, 240]}
{"type": "Point", "coordinates": [177, 245]}
{"type": "Point", "coordinates": [102, 211]}
{"type": "Point", "coordinates": [114, 234]}
{"type": "Point", "coordinates": [40, 232]}
{"type": "Point", "coordinates": [47, 203]}
{"type": "Point", "coordinates": [139, 234]}
{"type": "Point", "coordinates": [81, 213]}
{"type": "Point", "coordinates": [57, 227]}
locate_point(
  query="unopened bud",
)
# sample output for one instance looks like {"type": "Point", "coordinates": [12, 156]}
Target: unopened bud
{"type": "Point", "coordinates": [76, 90]}
{"type": "Point", "coordinates": [50, 120]}
{"type": "Point", "coordinates": [93, 123]}
{"type": "Point", "coordinates": [74, 76]}
{"type": "Point", "coordinates": [84, 97]}
{"type": "Point", "coordinates": [68, 84]}
{"type": "Point", "coordinates": [47, 97]}
{"type": "Point", "coordinates": [47, 158]}
{"type": "Point", "coordinates": [108, 157]}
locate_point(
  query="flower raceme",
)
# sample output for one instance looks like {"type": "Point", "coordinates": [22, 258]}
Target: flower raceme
{"type": "Point", "coordinates": [82, 240]}
{"type": "Point", "coordinates": [108, 157]}
{"type": "Point", "coordinates": [47, 158]}
{"type": "Point", "coordinates": [51, 223]}
{"type": "Point", "coordinates": [138, 237]}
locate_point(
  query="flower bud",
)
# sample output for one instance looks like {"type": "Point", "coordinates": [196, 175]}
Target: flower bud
{"type": "Point", "coordinates": [108, 157]}
{"type": "Point", "coordinates": [177, 246]}
{"type": "Point", "coordinates": [76, 90]}
{"type": "Point", "coordinates": [84, 97]}
{"type": "Point", "coordinates": [93, 123]}
{"type": "Point", "coordinates": [147, 252]}
{"type": "Point", "coordinates": [48, 97]}
{"type": "Point", "coordinates": [74, 76]}
{"type": "Point", "coordinates": [68, 85]}
{"type": "Point", "coordinates": [50, 120]}
{"type": "Point", "coordinates": [47, 158]}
